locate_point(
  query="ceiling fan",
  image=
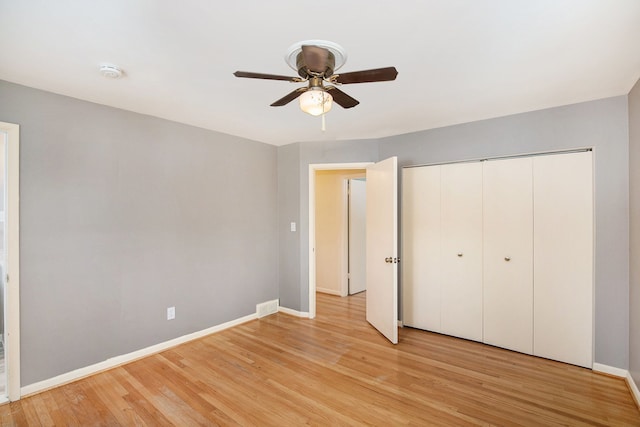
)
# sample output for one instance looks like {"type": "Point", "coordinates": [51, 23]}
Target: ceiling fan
{"type": "Point", "coordinates": [316, 61]}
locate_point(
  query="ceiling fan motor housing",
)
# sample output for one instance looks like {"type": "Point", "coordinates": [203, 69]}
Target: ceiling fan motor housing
{"type": "Point", "coordinates": [305, 73]}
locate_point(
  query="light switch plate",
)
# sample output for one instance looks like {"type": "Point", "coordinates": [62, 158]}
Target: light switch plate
{"type": "Point", "coordinates": [293, 226]}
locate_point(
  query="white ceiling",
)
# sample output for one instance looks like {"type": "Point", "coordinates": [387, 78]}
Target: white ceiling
{"type": "Point", "coordinates": [458, 60]}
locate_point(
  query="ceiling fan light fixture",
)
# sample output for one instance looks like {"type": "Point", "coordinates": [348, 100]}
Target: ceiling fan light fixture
{"type": "Point", "coordinates": [316, 101]}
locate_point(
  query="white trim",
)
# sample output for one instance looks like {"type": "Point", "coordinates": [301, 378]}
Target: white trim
{"type": "Point", "coordinates": [634, 389]}
{"type": "Point", "coordinates": [610, 370]}
{"type": "Point", "coordinates": [329, 291]}
{"type": "Point", "coordinates": [293, 312]}
{"type": "Point", "coordinates": [621, 373]}
{"type": "Point", "coordinates": [129, 357]}
{"type": "Point", "coordinates": [12, 269]}
{"type": "Point", "coordinates": [594, 219]}
{"type": "Point", "coordinates": [312, 222]}
{"type": "Point", "coordinates": [510, 156]}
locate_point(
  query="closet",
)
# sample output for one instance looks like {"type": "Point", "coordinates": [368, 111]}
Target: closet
{"type": "Point", "coordinates": [508, 253]}
{"type": "Point", "coordinates": [501, 251]}
{"type": "Point", "coordinates": [461, 246]}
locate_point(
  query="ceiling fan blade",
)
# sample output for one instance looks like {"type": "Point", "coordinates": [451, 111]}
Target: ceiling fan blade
{"type": "Point", "coordinates": [289, 97]}
{"type": "Point", "coordinates": [367, 76]}
{"type": "Point", "coordinates": [251, 75]}
{"type": "Point", "coordinates": [315, 58]}
{"type": "Point", "coordinates": [341, 98]}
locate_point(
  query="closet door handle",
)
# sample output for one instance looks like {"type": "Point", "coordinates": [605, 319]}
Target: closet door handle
{"type": "Point", "coordinates": [507, 258]}
{"type": "Point", "coordinates": [460, 254]}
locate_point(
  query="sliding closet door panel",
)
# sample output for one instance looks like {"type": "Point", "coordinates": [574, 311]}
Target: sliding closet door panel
{"type": "Point", "coordinates": [563, 257]}
{"type": "Point", "coordinates": [461, 198]}
{"type": "Point", "coordinates": [508, 254]}
{"type": "Point", "coordinates": [421, 264]}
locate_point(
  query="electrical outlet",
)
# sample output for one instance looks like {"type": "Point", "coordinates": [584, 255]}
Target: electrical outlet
{"type": "Point", "coordinates": [171, 313]}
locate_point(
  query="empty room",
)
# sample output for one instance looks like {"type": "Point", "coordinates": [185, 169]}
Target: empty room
{"type": "Point", "coordinates": [337, 213]}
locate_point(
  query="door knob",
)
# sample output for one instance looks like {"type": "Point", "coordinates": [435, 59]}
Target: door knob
{"type": "Point", "coordinates": [388, 260]}
{"type": "Point", "coordinates": [507, 258]}
{"type": "Point", "coordinates": [459, 254]}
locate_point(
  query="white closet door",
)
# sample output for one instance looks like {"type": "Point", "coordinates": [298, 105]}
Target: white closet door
{"type": "Point", "coordinates": [421, 265]}
{"type": "Point", "coordinates": [461, 301]}
{"type": "Point", "coordinates": [508, 254]}
{"type": "Point", "coordinates": [563, 257]}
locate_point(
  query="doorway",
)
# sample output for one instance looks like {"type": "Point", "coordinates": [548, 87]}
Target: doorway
{"type": "Point", "coordinates": [381, 243]}
{"type": "Point", "coordinates": [340, 238]}
{"type": "Point", "coordinates": [9, 263]}
{"type": "Point", "coordinates": [338, 168]}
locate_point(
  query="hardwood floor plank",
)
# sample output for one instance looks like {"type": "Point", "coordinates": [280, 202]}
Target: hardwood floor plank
{"type": "Point", "coordinates": [332, 370]}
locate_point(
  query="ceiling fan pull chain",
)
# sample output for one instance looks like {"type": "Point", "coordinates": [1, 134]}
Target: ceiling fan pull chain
{"type": "Point", "coordinates": [323, 124]}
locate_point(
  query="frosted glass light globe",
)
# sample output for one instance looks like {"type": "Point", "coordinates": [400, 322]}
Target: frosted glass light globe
{"type": "Point", "coordinates": [316, 101]}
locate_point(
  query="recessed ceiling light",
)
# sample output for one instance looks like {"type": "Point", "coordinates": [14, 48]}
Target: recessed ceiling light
{"type": "Point", "coordinates": [111, 71]}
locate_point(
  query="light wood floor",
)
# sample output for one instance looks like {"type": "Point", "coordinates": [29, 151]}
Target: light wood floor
{"type": "Point", "coordinates": [334, 370]}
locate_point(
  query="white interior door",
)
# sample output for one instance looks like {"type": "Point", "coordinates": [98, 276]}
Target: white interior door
{"type": "Point", "coordinates": [563, 257]}
{"type": "Point", "coordinates": [382, 244]}
{"type": "Point", "coordinates": [422, 263]}
{"type": "Point", "coordinates": [357, 235]}
{"type": "Point", "coordinates": [508, 253]}
{"type": "Point", "coordinates": [461, 306]}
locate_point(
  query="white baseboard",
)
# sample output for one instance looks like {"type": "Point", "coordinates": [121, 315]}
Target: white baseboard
{"type": "Point", "coordinates": [329, 291]}
{"type": "Point", "coordinates": [126, 358]}
{"type": "Point", "coordinates": [611, 370]}
{"type": "Point", "coordinates": [634, 389]}
{"type": "Point", "coordinates": [292, 312]}
{"type": "Point", "coordinates": [622, 373]}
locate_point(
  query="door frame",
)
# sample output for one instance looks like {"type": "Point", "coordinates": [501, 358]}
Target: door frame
{"type": "Point", "coordinates": [312, 222]}
{"type": "Point", "coordinates": [12, 239]}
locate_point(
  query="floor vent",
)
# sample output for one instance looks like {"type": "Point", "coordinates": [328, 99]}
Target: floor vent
{"type": "Point", "coordinates": [267, 308]}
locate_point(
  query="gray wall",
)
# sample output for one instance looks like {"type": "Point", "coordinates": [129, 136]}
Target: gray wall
{"type": "Point", "coordinates": [123, 215]}
{"type": "Point", "coordinates": [601, 124]}
{"type": "Point", "coordinates": [288, 212]}
{"type": "Point", "coordinates": [634, 225]}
